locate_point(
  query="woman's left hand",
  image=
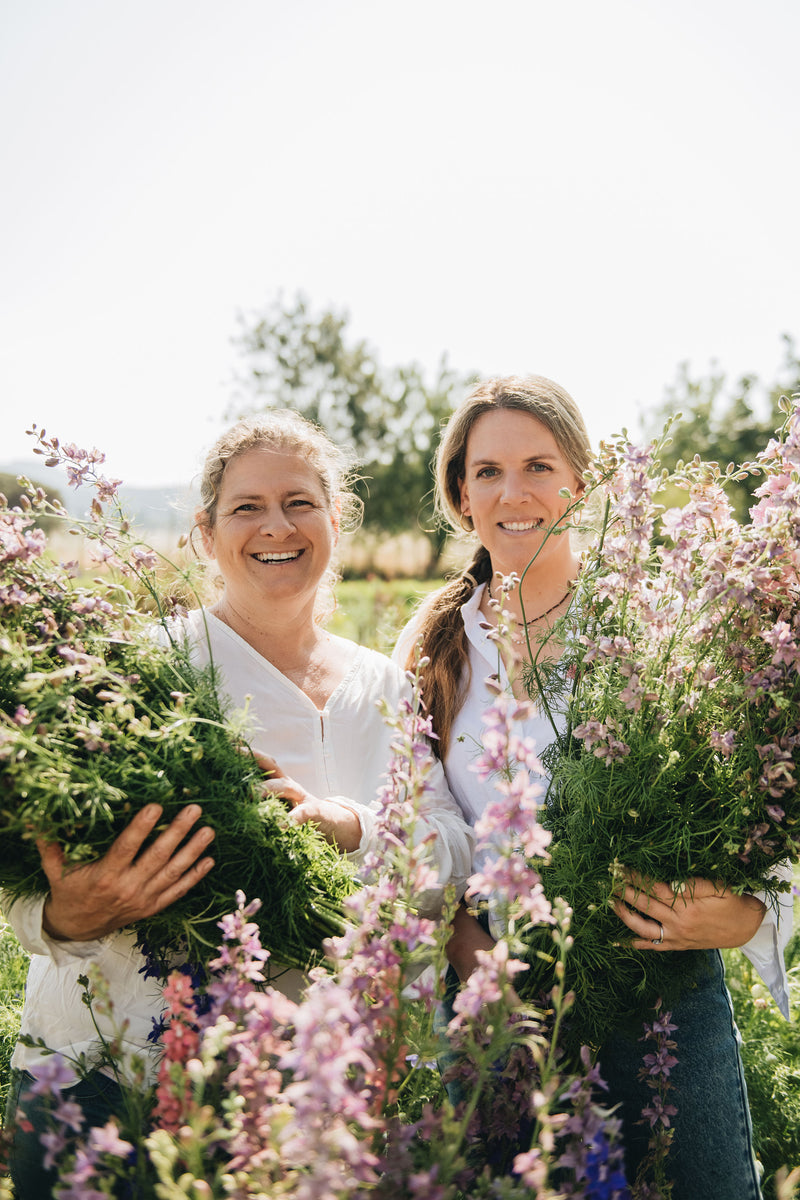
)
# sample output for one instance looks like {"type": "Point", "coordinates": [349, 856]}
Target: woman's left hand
{"type": "Point", "coordinates": [697, 915]}
{"type": "Point", "coordinates": [338, 825]}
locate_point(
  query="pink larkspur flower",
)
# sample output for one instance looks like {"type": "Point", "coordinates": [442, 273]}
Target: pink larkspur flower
{"type": "Point", "coordinates": [51, 1075]}
{"type": "Point", "coordinates": [106, 1140]}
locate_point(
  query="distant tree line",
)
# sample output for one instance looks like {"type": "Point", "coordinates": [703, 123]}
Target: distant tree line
{"type": "Point", "coordinates": [724, 421]}
{"type": "Point", "coordinates": [13, 490]}
{"type": "Point", "coordinates": [390, 417]}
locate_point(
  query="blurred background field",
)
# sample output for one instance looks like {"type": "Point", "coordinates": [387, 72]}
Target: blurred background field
{"type": "Point", "coordinates": [771, 1056]}
{"type": "Point", "coordinates": [373, 611]}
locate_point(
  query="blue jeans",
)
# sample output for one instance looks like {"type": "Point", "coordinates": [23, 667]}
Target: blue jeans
{"type": "Point", "coordinates": [711, 1157]}
{"type": "Point", "coordinates": [712, 1150]}
{"type": "Point", "coordinates": [99, 1097]}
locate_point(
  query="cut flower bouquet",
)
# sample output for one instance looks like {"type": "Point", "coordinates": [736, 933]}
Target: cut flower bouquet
{"type": "Point", "coordinates": [101, 712]}
{"type": "Point", "coordinates": [680, 681]}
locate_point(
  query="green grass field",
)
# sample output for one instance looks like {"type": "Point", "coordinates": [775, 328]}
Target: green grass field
{"type": "Point", "coordinates": [13, 969]}
{"type": "Point", "coordinates": [373, 611]}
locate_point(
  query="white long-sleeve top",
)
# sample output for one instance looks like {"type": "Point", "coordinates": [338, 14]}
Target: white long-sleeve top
{"type": "Point", "coordinates": [764, 950]}
{"type": "Point", "coordinates": [341, 753]}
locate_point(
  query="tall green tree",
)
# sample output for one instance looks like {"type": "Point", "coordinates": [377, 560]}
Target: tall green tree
{"type": "Point", "coordinates": [725, 422]}
{"type": "Point", "coordinates": [388, 416]}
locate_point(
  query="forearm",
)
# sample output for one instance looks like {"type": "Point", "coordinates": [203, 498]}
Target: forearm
{"type": "Point", "coordinates": [451, 849]}
{"type": "Point", "coordinates": [467, 938]}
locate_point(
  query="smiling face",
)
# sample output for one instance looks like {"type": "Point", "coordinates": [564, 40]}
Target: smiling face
{"type": "Point", "coordinates": [513, 472]}
{"type": "Point", "coordinates": [274, 531]}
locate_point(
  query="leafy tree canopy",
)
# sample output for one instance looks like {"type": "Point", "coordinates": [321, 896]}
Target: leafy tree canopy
{"type": "Point", "coordinates": [388, 416]}
{"type": "Point", "coordinates": [724, 422]}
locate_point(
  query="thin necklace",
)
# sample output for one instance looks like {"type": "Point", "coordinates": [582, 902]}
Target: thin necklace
{"type": "Point", "coordinates": [541, 616]}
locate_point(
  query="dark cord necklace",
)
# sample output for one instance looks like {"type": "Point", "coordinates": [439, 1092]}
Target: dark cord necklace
{"type": "Point", "coordinates": [541, 616]}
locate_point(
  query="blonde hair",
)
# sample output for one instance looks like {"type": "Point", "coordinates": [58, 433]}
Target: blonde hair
{"type": "Point", "coordinates": [285, 430]}
{"type": "Point", "coordinates": [289, 432]}
{"type": "Point", "coordinates": [443, 638]}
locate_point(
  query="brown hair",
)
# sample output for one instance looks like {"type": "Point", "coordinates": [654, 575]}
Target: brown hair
{"type": "Point", "coordinates": [442, 636]}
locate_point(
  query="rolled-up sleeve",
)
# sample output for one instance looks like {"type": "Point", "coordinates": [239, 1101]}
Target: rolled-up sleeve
{"type": "Point", "coordinates": [765, 950]}
{"type": "Point", "coordinates": [24, 915]}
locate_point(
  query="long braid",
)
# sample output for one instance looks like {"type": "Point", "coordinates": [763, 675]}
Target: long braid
{"type": "Point", "coordinates": [443, 640]}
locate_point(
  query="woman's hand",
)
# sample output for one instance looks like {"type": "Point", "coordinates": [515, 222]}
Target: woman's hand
{"type": "Point", "coordinates": [338, 825]}
{"type": "Point", "coordinates": [697, 915]}
{"type": "Point", "coordinates": [96, 898]}
{"type": "Point", "coordinates": [467, 937]}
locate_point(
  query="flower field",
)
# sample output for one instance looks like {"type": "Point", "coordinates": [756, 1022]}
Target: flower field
{"type": "Point", "coordinates": [338, 1095]}
{"type": "Point", "coordinates": [373, 609]}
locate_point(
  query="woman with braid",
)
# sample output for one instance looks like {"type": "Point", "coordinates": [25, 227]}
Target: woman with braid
{"type": "Point", "coordinates": [504, 459]}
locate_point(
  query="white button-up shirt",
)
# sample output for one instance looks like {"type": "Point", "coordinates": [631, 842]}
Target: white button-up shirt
{"type": "Point", "coordinates": [341, 753]}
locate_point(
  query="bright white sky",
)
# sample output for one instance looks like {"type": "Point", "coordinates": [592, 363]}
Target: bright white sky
{"type": "Point", "coordinates": [591, 191]}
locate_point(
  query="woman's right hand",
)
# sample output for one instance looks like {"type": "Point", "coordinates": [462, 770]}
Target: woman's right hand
{"type": "Point", "coordinates": [93, 899]}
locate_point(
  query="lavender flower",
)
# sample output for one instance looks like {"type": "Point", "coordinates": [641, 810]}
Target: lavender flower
{"type": "Point", "coordinates": [658, 1113]}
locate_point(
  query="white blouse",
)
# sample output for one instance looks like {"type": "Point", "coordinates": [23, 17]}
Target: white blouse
{"type": "Point", "coordinates": [341, 753]}
{"type": "Point", "coordinates": [765, 948]}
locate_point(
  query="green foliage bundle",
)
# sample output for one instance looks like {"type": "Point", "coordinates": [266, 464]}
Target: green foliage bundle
{"type": "Point", "coordinates": [679, 756]}
{"type": "Point", "coordinates": [98, 719]}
